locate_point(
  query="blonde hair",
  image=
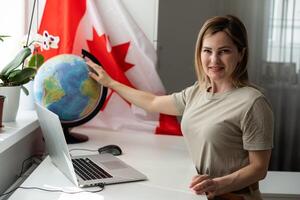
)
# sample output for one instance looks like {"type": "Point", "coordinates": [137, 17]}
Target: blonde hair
{"type": "Point", "coordinates": [236, 30]}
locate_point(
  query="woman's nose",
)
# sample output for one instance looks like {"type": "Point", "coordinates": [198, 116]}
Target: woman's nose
{"type": "Point", "coordinates": [214, 58]}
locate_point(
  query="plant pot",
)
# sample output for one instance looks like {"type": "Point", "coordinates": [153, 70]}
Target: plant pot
{"type": "Point", "coordinates": [11, 103]}
{"type": "Point", "coordinates": [2, 98]}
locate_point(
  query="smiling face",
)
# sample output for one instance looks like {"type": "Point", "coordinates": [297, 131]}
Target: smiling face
{"type": "Point", "coordinates": [219, 57]}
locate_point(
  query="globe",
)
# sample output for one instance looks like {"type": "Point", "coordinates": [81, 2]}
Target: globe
{"type": "Point", "coordinates": [63, 86]}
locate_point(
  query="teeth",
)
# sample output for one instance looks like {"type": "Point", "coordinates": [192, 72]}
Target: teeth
{"type": "Point", "coordinates": [216, 68]}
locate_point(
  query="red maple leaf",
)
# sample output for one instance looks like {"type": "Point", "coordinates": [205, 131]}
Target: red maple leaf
{"type": "Point", "coordinates": [112, 61]}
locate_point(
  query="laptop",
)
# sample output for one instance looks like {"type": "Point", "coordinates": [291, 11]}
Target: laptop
{"type": "Point", "coordinates": [83, 171]}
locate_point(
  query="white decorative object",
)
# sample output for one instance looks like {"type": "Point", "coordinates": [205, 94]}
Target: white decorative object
{"type": "Point", "coordinates": [11, 102]}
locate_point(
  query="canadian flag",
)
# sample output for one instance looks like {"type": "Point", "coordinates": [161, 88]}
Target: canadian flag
{"type": "Point", "coordinates": [106, 29]}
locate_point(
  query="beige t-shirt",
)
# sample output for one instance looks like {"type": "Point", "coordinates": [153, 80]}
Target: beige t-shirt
{"type": "Point", "coordinates": [220, 128]}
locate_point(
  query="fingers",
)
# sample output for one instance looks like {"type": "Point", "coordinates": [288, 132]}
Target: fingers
{"type": "Point", "coordinates": [197, 179]}
{"type": "Point", "coordinates": [93, 67]}
{"type": "Point", "coordinates": [92, 64]}
{"type": "Point", "coordinates": [93, 76]}
{"type": "Point", "coordinates": [203, 184]}
{"type": "Point", "coordinates": [99, 74]}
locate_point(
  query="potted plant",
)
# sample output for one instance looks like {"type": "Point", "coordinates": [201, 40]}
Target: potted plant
{"type": "Point", "coordinates": [19, 72]}
{"type": "Point", "coordinates": [13, 76]}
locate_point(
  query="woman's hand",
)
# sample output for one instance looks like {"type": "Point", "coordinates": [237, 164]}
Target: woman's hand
{"type": "Point", "coordinates": [203, 184]}
{"type": "Point", "coordinates": [99, 74]}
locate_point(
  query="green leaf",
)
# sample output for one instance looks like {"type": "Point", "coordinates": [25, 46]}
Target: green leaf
{"type": "Point", "coordinates": [21, 76]}
{"type": "Point", "coordinates": [16, 62]}
{"type": "Point", "coordinates": [3, 77]}
{"type": "Point", "coordinates": [25, 90]}
{"type": "Point", "coordinates": [3, 36]}
{"type": "Point", "coordinates": [13, 73]}
{"type": "Point", "coordinates": [36, 61]}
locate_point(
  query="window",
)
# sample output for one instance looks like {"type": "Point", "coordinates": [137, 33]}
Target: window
{"type": "Point", "coordinates": [12, 23]}
{"type": "Point", "coordinates": [284, 30]}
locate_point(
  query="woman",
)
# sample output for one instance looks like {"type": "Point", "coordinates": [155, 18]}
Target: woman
{"type": "Point", "coordinates": [227, 123]}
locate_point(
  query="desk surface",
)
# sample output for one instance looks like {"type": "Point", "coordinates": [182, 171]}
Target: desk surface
{"type": "Point", "coordinates": [281, 185]}
{"type": "Point", "coordinates": [163, 159]}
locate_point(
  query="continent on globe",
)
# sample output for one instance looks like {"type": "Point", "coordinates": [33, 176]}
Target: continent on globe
{"type": "Point", "coordinates": [52, 91]}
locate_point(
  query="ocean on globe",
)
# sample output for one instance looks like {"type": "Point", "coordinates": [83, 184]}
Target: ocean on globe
{"type": "Point", "coordinates": [62, 85]}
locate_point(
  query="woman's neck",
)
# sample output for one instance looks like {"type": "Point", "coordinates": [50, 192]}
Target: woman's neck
{"type": "Point", "coordinates": [220, 87]}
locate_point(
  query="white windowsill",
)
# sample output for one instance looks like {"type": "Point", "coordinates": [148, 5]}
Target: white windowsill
{"type": "Point", "coordinates": [13, 132]}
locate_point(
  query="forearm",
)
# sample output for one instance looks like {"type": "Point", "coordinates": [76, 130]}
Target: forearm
{"type": "Point", "coordinates": [253, 172]}
{"type": "Point", "coordinates": [137, 97]}
{"type": "Point", "coordinates": [239, 179]}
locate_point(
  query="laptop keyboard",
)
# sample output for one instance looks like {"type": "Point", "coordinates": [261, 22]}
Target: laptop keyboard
{"type": "Point", "coordinates": [88, 170]}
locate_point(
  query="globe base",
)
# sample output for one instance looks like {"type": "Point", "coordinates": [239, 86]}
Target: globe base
{"type": "Point", "coordinates": [73, 138]}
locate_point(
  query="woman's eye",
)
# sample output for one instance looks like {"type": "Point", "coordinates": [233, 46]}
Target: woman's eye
{"type": "Point", "coordinates": [206, 51]}
{"type": "Point", "coordinates": [224, 51]}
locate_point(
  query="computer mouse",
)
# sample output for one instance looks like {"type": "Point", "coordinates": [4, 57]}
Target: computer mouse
{"type": "Point", "coordinates": [112, 149]}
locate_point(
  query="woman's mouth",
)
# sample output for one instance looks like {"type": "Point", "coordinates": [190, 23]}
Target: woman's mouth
{"type": "Point", "coordinates": [215, 68]}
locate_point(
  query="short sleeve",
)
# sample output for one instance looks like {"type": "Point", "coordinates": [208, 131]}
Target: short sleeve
{"type": "Point", "coordinates": [181, 98]}
{"type": "Point", "coordinates": [258, 126]}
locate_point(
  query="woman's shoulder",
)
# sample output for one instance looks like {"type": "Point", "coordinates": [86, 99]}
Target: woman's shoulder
{"type": "Point", "coordinates": [250, 98]}
{"type": "Point", "coordinates": [248, 95]}
{"type": "Point", "coordinates": [189, 92]}
{"type": "Point", "coordinates": [192, 89]}
{"type": "Point", "coordinates": [250, 92]}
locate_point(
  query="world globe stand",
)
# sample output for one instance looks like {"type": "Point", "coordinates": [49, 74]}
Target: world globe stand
{"type": "Point", "coordinates": [70, 94]}
{"type": "Point", "coordinates": [73, 138]}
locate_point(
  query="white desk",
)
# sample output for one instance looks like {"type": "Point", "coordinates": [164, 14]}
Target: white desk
{"type": "Point", "coordinates": [163, 159]}
{"type": "Point", "coordinates": [281, 186]}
